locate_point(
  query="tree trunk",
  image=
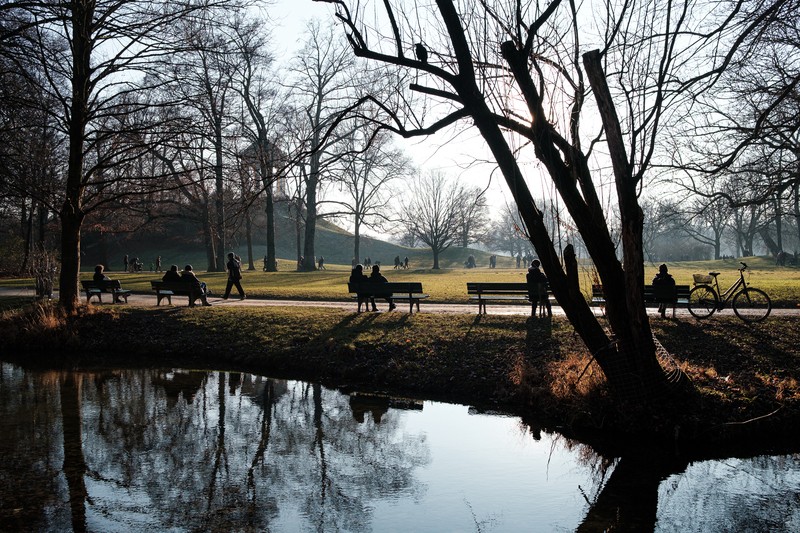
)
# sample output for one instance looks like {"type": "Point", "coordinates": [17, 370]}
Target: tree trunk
{"type": "Point", "coordinates": [249, 239]}
{"type": "Point", "coordinates": [435, 258]}
{"type": "Point", "coordinates": [357, 238]}
{"type": "Point", "coordinates": [311, 221]}
{"type": "Point", "coordinates": [269, 209]}
{"type": "Point", "coordinates": [220, 198]}
{"type": "Point", "coordinates": [72, 214]}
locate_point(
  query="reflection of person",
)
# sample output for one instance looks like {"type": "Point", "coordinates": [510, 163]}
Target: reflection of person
{"type": "Point", "coordinates": [537, 290]}
{"type": "Point", "coordinates": [189, 275]}
{"type": "Point", "coordinates": [234, 276]}
{"type": "Point", "coordinates": [377, 277]}
{"type": "Point", "coordinates": [171, 274]}
{"type": "Point", "coordinates": [663, 279]}
{"type": "Point", "coordinates": [357, 276]}
{"type": "Point", "coordinates": [99, 275]}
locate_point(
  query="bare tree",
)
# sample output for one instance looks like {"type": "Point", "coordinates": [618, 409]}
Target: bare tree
{"type": "Point", "coordinates": [431, 211]}
{"type": "Point", "coordinates": [522, 72]}
{"type": "Point", "coordinates": [94, 56]}
{"type": "Point", "coordinates": [324, 78]}
{"type": "Point", "coordinates": [369, 166]}
{"type": "Point", "coordinates": [473, 216]}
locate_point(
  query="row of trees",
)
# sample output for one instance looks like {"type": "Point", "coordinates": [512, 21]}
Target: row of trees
{"type": "Point", "coordinates": [120, 114]}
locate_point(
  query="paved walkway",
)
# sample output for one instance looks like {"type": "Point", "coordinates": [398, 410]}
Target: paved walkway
{"type": "Point", "coordinates": [145, 300]}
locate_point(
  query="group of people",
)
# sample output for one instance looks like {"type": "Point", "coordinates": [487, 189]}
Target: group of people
{"type": "Point", "coordinates": [400, 263]}
{"type": "Point", "coordinates": [135, 265]}
{"type": "Point", "coordinates": [358, 276]}
{"type": "Point", "coordinates": [234, 267]}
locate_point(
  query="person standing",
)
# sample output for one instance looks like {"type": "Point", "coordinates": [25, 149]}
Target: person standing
{"type": "Point", "coordinates": [234, 276]}
{"type": "Point", "coordinates": [158, 264]}
{"type": "Point", "coordinates": [537, 289]}
{"type": "Point", "coordinates": [125, 263]}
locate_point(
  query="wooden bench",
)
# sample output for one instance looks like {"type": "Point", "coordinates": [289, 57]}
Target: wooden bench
{"type": "Point", "coordinates": [654, 295]}
{"type": "Point", "coordinates": [410, 291]}
{"type": "Point", "coordinates": [168, 289]}
{"type": "Point", "coordinates": [503, 293]}
{"type": "Point", "coordinates": [111, 286]}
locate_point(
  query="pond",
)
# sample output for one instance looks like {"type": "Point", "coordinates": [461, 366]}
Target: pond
{"type": "Point", "coordinates": [179, 450]}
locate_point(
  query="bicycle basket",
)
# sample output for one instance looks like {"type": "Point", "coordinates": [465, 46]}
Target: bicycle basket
{"type": "Point", "coordinates": [700, 279]}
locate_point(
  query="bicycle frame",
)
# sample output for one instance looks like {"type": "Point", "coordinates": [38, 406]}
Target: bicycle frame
{"type": "Point", "coordinates": [731, 291]}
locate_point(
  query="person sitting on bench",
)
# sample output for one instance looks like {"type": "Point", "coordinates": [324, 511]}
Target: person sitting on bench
{"type": "Point", "coordinates": [377, 277]}
{"type": "Point", "coordinates": [171, 274]}
{"type": "Point", "coordinates": [189, 275]}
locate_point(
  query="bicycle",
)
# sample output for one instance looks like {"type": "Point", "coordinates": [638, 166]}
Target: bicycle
{"type": "Point", "coordinates": [749, 304]}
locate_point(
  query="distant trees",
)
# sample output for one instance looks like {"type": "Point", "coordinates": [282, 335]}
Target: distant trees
{"type": "Point", "coordinates": [431, 210]}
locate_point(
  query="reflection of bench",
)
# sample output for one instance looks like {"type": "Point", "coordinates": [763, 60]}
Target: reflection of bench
{"type": "Point", "coordinates": [168, 289]}
{"type": "Point", "coordinates": [504, 294]}
{"type": "Point", "coordinates": [410, 291]}
{"type": "Point", "coordinates": [654, 295]}
{"type": "Point", "coordinates": [111, 286]}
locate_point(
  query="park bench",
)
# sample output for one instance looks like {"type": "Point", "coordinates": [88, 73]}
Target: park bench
{"type": "Point", "coordinates": [504, 294]}
{"type": "Point", "coordinates": [410, 291]}
{"type": "Point", "coordinates": [654, 295]}
{"type": "Point", "coordinates": [168, 289]}
{"type": "Point", "coordinates": [110, 286]}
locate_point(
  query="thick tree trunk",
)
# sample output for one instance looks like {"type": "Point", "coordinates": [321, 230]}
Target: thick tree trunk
{"type": "Point", "coordinates": [310, 233]}
{"type": "Point", "coordinates": [220, 199]}
{"type": "Point", "coordinates": [269, 209]}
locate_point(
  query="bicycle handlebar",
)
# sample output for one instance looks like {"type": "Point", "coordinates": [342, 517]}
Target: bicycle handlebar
{"type": "Point", "coordinates": [744, 266]}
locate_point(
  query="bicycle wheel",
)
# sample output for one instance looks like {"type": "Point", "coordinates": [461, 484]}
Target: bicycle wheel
{"type": "Point", "coordinates": [702, 301]}
{"type": "Point", "coordinates": [752, 305]}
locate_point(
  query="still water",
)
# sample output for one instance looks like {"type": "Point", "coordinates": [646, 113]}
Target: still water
{"type": "Point", "coordinates": [176, 450]}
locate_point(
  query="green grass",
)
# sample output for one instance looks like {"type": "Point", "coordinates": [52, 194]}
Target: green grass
{"type": "Point", "coordinates": [449, 285]}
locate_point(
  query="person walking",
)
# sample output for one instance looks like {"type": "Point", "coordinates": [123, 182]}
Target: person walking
{"type": "Point", "coordinates": [234, 276]}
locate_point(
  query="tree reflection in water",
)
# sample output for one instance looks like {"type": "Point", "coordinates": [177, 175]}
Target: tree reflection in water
{"type": "Point", "coordinates": [212, 451]}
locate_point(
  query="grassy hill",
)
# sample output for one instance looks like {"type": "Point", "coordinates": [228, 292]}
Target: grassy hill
{"type": "Point", "coordinates": [181, 246]}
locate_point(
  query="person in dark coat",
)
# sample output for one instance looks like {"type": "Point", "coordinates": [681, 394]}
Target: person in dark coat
{"type": "Point", "coordinates": [189, 275]}
{"type": "Point", "coordinates": [377, 277]}
{"type": "Point", "coordinates": [537, 289]}
{"type": "Point", "coordinates": [172, 274]}
{"type": "Point", "coordinates": [99, 275]}
{"type": "Point", "coordinates": [357, 276]}
{"type": "Point", "coordinates": [664, 279]}
{"type": "Point", "coordinates": [234, 266]}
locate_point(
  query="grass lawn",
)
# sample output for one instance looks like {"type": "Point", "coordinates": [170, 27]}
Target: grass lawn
{"type": "Point", "coordinates": [449, 285]}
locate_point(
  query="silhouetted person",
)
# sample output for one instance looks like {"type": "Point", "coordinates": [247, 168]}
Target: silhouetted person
{"type": "Point", "coordinates": [422, 53]}
{"type": "Point", "coordinates": [663, 279]}
{"type": "Point", "coordinates": [377, 277]}
{"type": "Point", "coordinates": [125, 262]}
{"type": "Point", "coordinates": [99, 275]}
{"type": "Point", "coordinates": [537, 289]}
{"type": "Point", "coordinates": [357, 276]}
{"type": "Point", "coordinates": [234, 266]}
{"type": "Point", "coordinates": [200, 287]}
{"type": "Point", "coordinates": [172, 274]}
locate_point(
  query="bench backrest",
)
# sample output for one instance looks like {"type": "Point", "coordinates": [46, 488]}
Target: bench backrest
{"type": "Point", "coordinates": [174, 286]}
{"type": "Point", "coordinates": [499, 288]}
{"type": "Point", "coordinates": [393, 287]}
{"type": "Point", "coordinates": [654, 293]}
{"type": "Point", "coordinates": [104, 285]}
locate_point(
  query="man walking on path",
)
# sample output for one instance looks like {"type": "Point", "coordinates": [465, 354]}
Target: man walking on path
{"type": "Point", "coordinates": [234, 276]}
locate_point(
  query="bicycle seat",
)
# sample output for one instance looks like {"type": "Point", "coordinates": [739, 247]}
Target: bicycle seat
{"type": "Point", "coordinates": [715, 274]}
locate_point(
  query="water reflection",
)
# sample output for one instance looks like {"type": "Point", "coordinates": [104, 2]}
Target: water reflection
{"type": "Point", "coordinates": [179, 450]}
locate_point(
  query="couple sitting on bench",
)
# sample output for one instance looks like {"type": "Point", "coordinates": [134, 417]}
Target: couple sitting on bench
{"type": "Point", "coordinates": [188, 276]}
{"type": "Point", "coordinates": [357, 276]}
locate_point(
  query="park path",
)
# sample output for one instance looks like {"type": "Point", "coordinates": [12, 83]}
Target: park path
{"type": "Point", "coordinates": [146, 300]}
